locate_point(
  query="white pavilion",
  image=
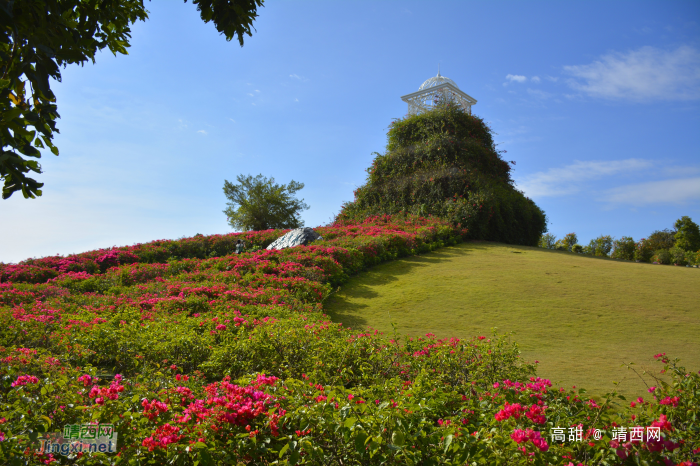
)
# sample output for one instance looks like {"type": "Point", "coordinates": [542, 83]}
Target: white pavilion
{"type": "Point", "coordinates": [435, 89]}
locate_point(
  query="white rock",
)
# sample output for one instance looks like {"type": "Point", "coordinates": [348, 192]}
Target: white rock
{"type": "Point", "coordinates": [295, 237]}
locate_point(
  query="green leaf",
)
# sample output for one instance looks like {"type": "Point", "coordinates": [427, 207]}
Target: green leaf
{"type": "Point", "coordinates": [397, 438]}
{"type": "Point", "coordinates": [360, 442]}
{"type": "Point", "coordinates": [284, 450]}
{"type": "Point", "coordinates": [448, 442]}
{"type": "Point", "coordinates": [205, 458]}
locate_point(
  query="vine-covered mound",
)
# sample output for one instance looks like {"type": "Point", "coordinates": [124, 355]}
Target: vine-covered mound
{"type": "Point", "coordinates": [444, 163]}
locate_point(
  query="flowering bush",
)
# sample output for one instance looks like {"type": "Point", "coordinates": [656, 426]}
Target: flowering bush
{"type": "Point", "coordinates": [229, 359]}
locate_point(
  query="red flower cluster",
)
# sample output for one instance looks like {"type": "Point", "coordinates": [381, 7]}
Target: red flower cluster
{"type": "Point", "coordinates": [521, 436]}
{"type": "Point", "coordinates": [24, 380]}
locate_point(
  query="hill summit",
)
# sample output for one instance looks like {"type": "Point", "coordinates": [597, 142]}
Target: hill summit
{"type": "Point", "coordinates": [444, 163]}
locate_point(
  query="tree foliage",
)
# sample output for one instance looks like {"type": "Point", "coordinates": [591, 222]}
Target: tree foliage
{"type": "Point", "coordinates": [260, 204]}
{"type": "Point", "coordinates": [687, 234]}
{"type": "Point", "coordinates": [623, 248]}
{"type": "Point", "coordinates": [37, 37]}
{"type": "Point", "coordinates": [444, 163]}
{"type": "Point", "coordinates": [567, 242]}
{"type": "Point", "coordinates": [601, 246]}
{"type": "Point", "coordinates": [662, 239]}
{"type": "Point", "coordinates": [547, 241]}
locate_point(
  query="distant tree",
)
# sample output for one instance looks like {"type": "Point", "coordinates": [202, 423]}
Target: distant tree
{"type": "Point", "coordinates": [679, 256]}
{"type": "Point", "coordinates": [664, 239]}
{"type": "Point", "coordinates": [623, 248]}
{"type": "Point", "coordinates": [662, 256]}
{"type": "Point", "coordinates": [687, 234]}
{"type": "Point", "coordinates": [260, 204]}
{"type": "Point", "coordinates": [643, 250]}
{"type": "Point", "coordinates": [39, 36]}
{"type": "Point", "coordinates": [547, 241]}
{"type": "Point", "coordinates": [601, 246]}
{"type": "Point", "coordinates": [577, 248]}
{"type": "Point", "coordinates": [567, 242]}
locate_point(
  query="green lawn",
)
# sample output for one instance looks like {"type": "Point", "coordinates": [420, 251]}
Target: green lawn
{"type": "Point", "coordinates": [580, 317]}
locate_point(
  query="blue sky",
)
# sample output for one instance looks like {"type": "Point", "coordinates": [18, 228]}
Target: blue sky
{"type": "Point", "coordinates": [597, 102]}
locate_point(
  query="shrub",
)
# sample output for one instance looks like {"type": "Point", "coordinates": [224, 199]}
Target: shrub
{"type": "Point", "coordinates": [624, 248]}
{"type": "Point", "coordinates": [577, 248]}
{"type": "Point", "coordinates": [567, 242]}
{"type": "Point", "coordinates": [547, 241]}
{"type": "Point", "coordinates": [600, 246]}
{"type": "Point", "coordinates": [662, 256]}
{"type": "Point", "coordinates": [643, 251]}
{"type": "Point", "coordinates": [687, 234]}
{"type": "Point", "coordinates": [678, 256]}
{"type": "Point", "coordinates": [693, 257]}
{"type": "Point", "coordinates": [229, 360]}
{"type": "Point", "coordinates": [662, 239]}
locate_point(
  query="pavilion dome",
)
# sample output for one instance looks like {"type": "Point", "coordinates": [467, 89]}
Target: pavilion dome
{"type": "Point", "coordinates": [436, 81]}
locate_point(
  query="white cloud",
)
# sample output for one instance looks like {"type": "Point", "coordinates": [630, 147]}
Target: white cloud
{"type": "Point", "coordinates": [569, 179]}
{"type": "Point", "coordinates": [539, 93]}
{"type": "Point", "coordinates": [296, 100]}
{"type": "Point", "coordinates": [201, 131]}
{"type": "Point", "coordinates": [535, 79]}
{"type": "Point", "coordinates": [551, 78]}
{"type": "Point", "coordinates": [644, 74]}
{"type": "Point", "coordinates": [681, 171]}
{"type": "Point", "coordinates": [296, 76]}
{"type": "Point", "coordinates": [675, 191]}
{"type": "Point", "coordinates": [232, 120]}
{"type": "Point", "coordinates": [257, 90]}
{"type": "Point", "coordinates": [515, 78]}
{"type": "Point", "coordinates": [250, 94]}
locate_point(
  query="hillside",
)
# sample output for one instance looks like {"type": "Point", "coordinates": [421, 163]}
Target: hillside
{"type": "Point", "coordinates": [581, 317]}
{"type": "Point", "coordinates": [194, 355]}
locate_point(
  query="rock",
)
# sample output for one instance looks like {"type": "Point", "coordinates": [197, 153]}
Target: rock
{"type": "Point", "coordinates": [296, 237]}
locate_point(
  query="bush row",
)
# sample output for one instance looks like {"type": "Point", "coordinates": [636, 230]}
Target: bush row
{"type": "Point", "coordinates": [680, 246]}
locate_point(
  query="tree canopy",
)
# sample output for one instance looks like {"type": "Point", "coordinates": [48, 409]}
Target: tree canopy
{"type": "Point", "coordinates": [687, 234]}
{"type": "Point", "coordinates": [260, 204]}
{"type": "Point", "coordinates": [37, 37]}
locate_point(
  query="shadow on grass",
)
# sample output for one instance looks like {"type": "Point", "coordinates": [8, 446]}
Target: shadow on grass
{"type": "Point", "coordinates": [361, 286]}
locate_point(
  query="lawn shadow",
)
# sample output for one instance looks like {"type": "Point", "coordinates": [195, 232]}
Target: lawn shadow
{"type": "Point", "coordinates": [340, 306]}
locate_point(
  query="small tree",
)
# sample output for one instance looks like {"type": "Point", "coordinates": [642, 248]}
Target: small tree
{"type": "Point", "coordinates": [664, 239]}
{"type": "Point", "coordinates": [623, 248]}
{"type": "Point", "coordinates": [643, 250]}
{"type": "Point", "coordinates": [547, 241]}
{"type": "Point", "coordinates": [260, 204]}
{"type": "Point", "coordinates": [600, 246]}
{"type": "Point", "coordinates": [687, 235]}
{"type": "Point", "coordinates": [679, 256]}
{"type": "Point", "coordinates": [567, 242]}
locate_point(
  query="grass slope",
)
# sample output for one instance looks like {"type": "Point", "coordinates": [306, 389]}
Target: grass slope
{"type": "Point", "coordinates": [581, 317]}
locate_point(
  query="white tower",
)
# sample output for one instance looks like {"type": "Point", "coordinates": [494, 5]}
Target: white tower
{"type": "Point", "coordinates": [434, 89]}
